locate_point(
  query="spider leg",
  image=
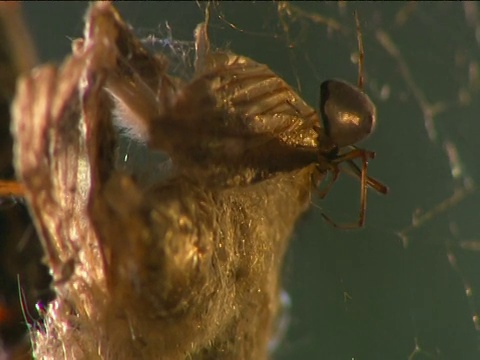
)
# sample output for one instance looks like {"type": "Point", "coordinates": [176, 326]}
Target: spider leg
{"type": "Point", "coordinates": [363, 199]}
{"type": "Point", "coordinates": [373, 183]}
{"type": "Point", "coordinates": [323, 192]}
{"type": "Point", "coordinates": [353, 154]}
{"type": "Point", "coordinates": [361, 53]}
{"type": "Point", "coordinates": [363, 193]}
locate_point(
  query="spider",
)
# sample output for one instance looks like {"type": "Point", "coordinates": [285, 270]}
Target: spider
{"type": "Point", "coordinates": [348, 116]}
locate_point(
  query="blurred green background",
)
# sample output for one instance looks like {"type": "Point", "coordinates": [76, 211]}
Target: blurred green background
{"type": "Point", "coordinates": [369, 293]}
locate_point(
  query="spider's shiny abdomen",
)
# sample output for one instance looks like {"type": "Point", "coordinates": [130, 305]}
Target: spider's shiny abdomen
{"type": "Point", "coordinates": [347, 113]}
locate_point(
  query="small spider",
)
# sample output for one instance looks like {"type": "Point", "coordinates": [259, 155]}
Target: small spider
{"type": "Point", "coordinates": [348, 116]}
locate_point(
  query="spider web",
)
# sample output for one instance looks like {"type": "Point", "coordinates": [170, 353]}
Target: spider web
{"type": "Point", "coordinates": [406, 285]}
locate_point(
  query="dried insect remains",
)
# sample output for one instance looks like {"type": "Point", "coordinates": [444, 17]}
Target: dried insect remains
{"type": "Point", "coordinates": [188, 267]}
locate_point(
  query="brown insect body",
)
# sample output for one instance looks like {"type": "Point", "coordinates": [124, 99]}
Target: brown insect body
{"type": "Point", "coordinates": [184, 268]}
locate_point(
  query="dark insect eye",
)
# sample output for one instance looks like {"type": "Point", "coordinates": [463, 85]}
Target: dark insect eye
{"type": "Point", "coordinates": [347, 113]}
